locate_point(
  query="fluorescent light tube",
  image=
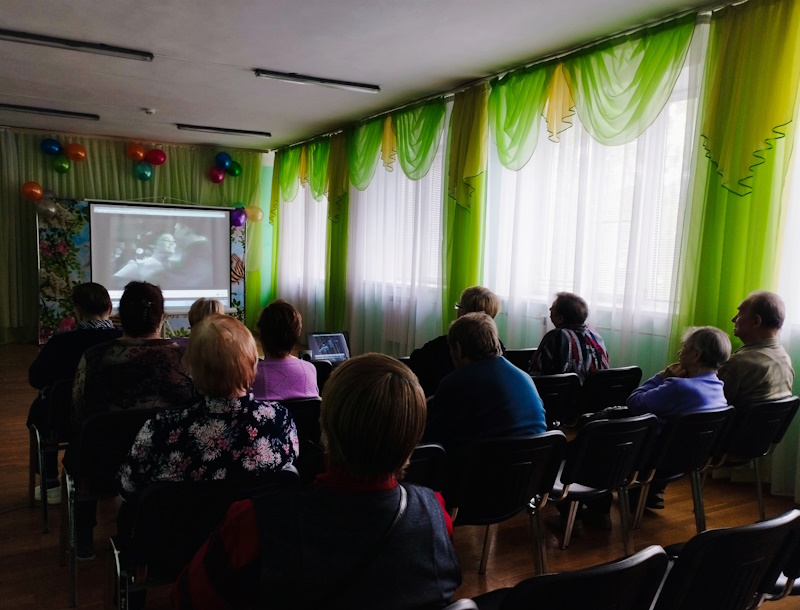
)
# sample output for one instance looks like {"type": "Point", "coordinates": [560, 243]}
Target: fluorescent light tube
{"type": "Point", "coordinates": [302, 79]}
{"type": "Point", "coordinates": [66, 114]}
{"type": "Point", "coordinates": [233, 132]}
{"type": "Point", "coordinates": [74, 45]}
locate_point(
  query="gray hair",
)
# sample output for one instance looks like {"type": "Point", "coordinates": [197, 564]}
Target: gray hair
{"type": "Point", "coordinates": [476, 333]}
{"type": "Point", "coordinates": [769, 306]}
{"type": "Point", "coordinates": [713, 345]}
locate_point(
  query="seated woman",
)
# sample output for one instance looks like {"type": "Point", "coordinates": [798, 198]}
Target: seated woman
{"type": "Point", "coordinates": [354, 538]}
{"type": "Point", "coordinates": [280, 375]}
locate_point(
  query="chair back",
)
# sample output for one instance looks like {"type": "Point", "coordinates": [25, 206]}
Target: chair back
{"type": "Point", "coordinates": [558, 393]}
{"type": "Point", "coordinates": [324, 370]}
{"type": "Point", "coordinates": [305, 412]}
{"type": "Point", "coordinates": [427, 466]}
{"type": "Point", "coordinates": [607, 453]}
{"type": "Point", "coordinates": [607, 388]}
{"type": "Point", "coordinates": [727, 568]}
{"type": "Point", "coordinates": [628, 584]}
{"type": "Point", "coordinates": [520, 358]}
{"type": "Point", "coordinates": [59, 410]}
{"type": "Point", "coordinates": [497, 477]}
{"type": "Point", "coordinates": [757, 428]}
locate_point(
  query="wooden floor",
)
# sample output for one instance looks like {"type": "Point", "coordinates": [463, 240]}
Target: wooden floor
{"type": "Point", "coordinates": [30, 576]}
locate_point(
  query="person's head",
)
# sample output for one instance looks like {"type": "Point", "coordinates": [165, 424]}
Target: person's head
{"type": "Point", "coordinates": [221, 357]}
{"type": "Point", "coordinates": [472, 337]}
{"type": "Point", "coordinates": [478, 298]}
{"type": "Point", "coordinates": [91, 301]}
{"type": "Point", "coordinates": [760, 317]}
{"type": "Point", "coordinates": [704, 348]}
{"type": "Point", "coordinates": [279, 328]}
{"type": "Point", "coordinates": [165, 244]}
{"type": "Point", "coordinates": [203, 307]}
{"type": "Point", "coordinates": [141, 309]}
{"type": "Point", "coordinates": [372, 416]}
{"type": "Point", "coordinates": [568, 310]}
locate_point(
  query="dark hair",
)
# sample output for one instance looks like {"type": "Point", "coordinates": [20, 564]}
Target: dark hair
{"type": "Point", "coordinates": [279, 327]}
{"type": "Point", "coordinates": [476, 333]}
{"type": "Point", "coordinates": [769, 306]}
{"type": "Point", "coordinates": [571, 307]}
{"type": "Point", "coordinates": [91, 298]}
{"type": "Point", "coordinates": [141, 309]}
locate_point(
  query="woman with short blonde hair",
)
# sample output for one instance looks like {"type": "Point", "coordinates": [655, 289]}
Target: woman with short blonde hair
{"type": "Point", "coordinates": [203, 307]}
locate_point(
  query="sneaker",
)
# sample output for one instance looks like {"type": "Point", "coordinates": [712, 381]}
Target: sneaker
{"type": "Point", "coordinates": [600, 521]}
{"type": "Point", "coordinates": [559, 524]}
{"type": "Point", "coordinates": [53, 495]}
{"type": "Point", "coordinates": [655, 501]}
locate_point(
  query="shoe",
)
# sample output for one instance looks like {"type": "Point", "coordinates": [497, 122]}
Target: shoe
{"type": "Point", "coordinates": [53, 495]}
{"type": "Point", "coordinates": [656, 501]}
{"type": "Point", "coordinates": [600, 521]}
{"type": "Point", "coordinates": [559, 524]}
{"type": "Point", "coordinates": [85, 553]}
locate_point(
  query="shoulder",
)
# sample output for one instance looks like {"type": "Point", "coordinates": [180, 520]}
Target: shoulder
{"type": "Point", "coordinates": [434, 345]}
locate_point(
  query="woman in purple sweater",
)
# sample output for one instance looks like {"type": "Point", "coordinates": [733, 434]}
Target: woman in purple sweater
{"type": "Point", "coordinates": [280, 375]}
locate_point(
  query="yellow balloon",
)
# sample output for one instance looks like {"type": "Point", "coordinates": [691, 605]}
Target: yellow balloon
{"type": "Point", "coordinates": [254, 214]}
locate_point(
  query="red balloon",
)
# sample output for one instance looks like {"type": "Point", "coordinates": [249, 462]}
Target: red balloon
{"type": "Point", "coordinates": [155, 156]}
{"type": "Point", "coordinates": [32, 191]}
{"type": "Point", "coordinates": [75, 152]}
{"type": "Point", "coordinates": [216, 175]}
{"type": "Point", "coordinates": [135, 152]}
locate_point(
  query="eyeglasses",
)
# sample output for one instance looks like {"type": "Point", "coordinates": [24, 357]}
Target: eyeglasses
{"type": "Point", "coordinates": [459, 305]}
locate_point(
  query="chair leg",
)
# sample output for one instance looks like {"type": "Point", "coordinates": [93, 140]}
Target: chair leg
{"type": "Point", "coordinates": [487, 543]}
{"type": "Point", "coordinates": [573, 513]}
{"type": "Point", "coordinates": [697, 500]}
{"type": "Point", "coordinates": [759, 490]}
{"type": "Point", "coordinates": [72, 555]}
{"type": "Point", "coordinates": [537, 537]}
{"type": "Point", "coordinates": [115, 589]}
{"type": "Point", "coordinates": [33, 456]}
{"type": "Point", "coordinates": [43, 485]}
{"type": "Point", "coordinates": [625, 519]}
{"type": "Point", "coordinates": [640, 506]}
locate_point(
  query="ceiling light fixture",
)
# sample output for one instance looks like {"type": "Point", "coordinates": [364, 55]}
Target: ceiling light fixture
{"type": "Point", "coordinates": [302, 79]}
{"type": "Point", "coordinates": [74, 45]}
{"type": "Point", "coordinates": [66, 114]}
{"type": "Point", "coordinates": [233, 132]}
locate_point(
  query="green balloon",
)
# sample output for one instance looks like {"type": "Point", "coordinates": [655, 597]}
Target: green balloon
{"type": "Point", "coordinates": [61, 164]}
{"type": "Point", "coordinates": [143, 171]}
{"type": "Point", "coordinates": [234, 169]}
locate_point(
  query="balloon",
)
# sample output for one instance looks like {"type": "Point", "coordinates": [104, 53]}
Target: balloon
{"type": "Point", "coordinates": [135, 152]}
{"type": "Point", "coordinates": [75, 152]}
{"type": "Point", "coordinates": [143, 171]}
{"type": "Point", "coordinates": [238, 216]}
{"type": "Point", "coordinates": [155, 156]}
{"type": "Point", "coordinates": [223, 160]}
{"type": "Point", "coordinates": [61, 164]}
{"type": "Point", "coordinates": [32, 191]}
{"type": "Point", "coordinates": [46, 208]}
{"type": "Point", "coordinates": [254, 214]}
{"type": "Point", "coordinates": [50, 147]}
{"type": "Point", "coordinates": [216, 175]}
{"type": "Point", "coordinates": [235, 169]}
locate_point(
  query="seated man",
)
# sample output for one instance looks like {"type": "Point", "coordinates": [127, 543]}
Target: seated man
{"type": "Point", "coordinates": [760, 369]}
{"type": "Point", "coordinates": [59, 360]}
{"type": "Point", "coordinates": [432, 361]}
{"type": "Point", "coordinates": [354, 538]}
{"type": "Point", "coordinates": [571, 347]}
{"type": "Point", "coordinates": [486, 396]}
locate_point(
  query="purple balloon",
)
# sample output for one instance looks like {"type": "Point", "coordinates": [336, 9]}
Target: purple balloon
{"type": "Point", "coordinates": [238, 216]}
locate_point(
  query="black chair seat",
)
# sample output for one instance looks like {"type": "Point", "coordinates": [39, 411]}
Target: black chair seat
{"type": "Point", "coordinates": [427, 466]}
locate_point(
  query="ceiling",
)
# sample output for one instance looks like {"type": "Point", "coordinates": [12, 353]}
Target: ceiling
{"type": "Point", "coordinates": [205, 51]}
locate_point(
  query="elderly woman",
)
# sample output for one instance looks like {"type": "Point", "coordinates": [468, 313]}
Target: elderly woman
{"type": "Point", "coordinates": [281, 376]}
{"type": "Point", "coordinates": [355, 538]}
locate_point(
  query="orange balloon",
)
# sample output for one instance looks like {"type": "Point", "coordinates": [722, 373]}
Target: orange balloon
{"type": "Point", "coordinates": [136, 152]}
{"type": "Point", "coordinates": [32, 191]}
{"type": "Point", "coordinates": [75, 152]}
{"type": "Point", "coordinates": [254, 213]}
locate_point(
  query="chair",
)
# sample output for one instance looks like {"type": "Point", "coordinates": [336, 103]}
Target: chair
{"type": "Point", "coordinates": [558, 393]}
{"type": "Point", "coordinates": [324, 370]}
{"type": "Point", "coordinates": [497, 478]}
{"type": "Point", "coordinates": [630, 583]}
{"type": "Point", "coordinates": [606, 388]}
{"type": "Point", "coordinates": [172, 521]}
{"type": "Point", "coordinates": [51, 438]}
{"type": "Point", "coordinates": [104, 442]}
{"type": "Point", "coordinates": [727, 569]}
{"type": "Point", "coordinates": [305, 412]}
{"type": "Point", "coordinates": [605, 456]}
{"type": "Point", "coordinates": [754, 433]}
{"type": "Point", "coordinates": [685, 445]}
{"type": "Point", "coordinates": [427, 466]}
{"type": "Point", "coordinates": [520, 358]}
{"type": "Point", "coordinates": [788, 582]}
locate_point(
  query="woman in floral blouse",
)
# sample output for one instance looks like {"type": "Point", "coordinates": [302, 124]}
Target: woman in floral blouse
{"type": "Point", "coordinates": [227, 434]}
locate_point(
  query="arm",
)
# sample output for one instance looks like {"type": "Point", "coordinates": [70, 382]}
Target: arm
{"type": "Point", "coordinates": [732, 380]}
{"type": "Point", "coordinates": [447, 520]}
{"type": "Point", "coordinates": [39, 373]}
{"type": "Point", "coordinates": [134, 474]}
{"type": "Point", "coordinates": [224, 572]}
{"type": "Point", "coordinates": [548, 359]}
{"type": "Point", "coordinates": [656, 395]}
{"type": "Point", "coordinates": [78, 396]}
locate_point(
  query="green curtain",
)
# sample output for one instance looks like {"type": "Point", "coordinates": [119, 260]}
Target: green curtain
{"type": "Point", "coordinates": [621, 86]}
{"type": "Point", "coordinates": [258, 283]}
{"type": "Point", "coordinates": [317, 153]}
{"type": "Point", "coordinates": [288, 176]}
{"type": "Point", "coordinates": [274, 220]}
{"type": "Point", "coordinates": [363, 145]}
{"type": "Point", "coordinates": [107, 173]}
{"type": "Point", "coordinates": [465, 203]}
{"type": "Point", "coordinates": [516, 103]}
{"type": "Point", "coordinates": [418, 132]}
{"type": "Point", "coordinates": [732, 242]}
{"type": "Point", "coordinates": [337, 233]}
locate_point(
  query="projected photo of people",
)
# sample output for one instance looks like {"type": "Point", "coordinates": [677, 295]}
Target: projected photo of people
{"type": "Point", "coordinates": [154, 264]}
{"type": "Point", "coordinates": [191, 264]}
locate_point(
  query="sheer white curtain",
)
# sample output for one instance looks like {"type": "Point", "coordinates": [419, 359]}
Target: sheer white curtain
{"type": "Point", "coordinates": [600, 221]}
{"type": "Point", "coordinates": [301, 257]}
{"type": "Point", "coordinates": [394, 260]}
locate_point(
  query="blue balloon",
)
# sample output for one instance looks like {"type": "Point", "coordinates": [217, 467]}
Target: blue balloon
{"type": "Point", "coordinates": [143, 171]}
{"type": "Point", "coordinates": [50, 147]}
{"type": "Point", "coordinates": [223, 160]}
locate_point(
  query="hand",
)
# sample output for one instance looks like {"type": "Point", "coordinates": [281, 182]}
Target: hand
{"type": "Point", "coordinates": [674, 370]}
